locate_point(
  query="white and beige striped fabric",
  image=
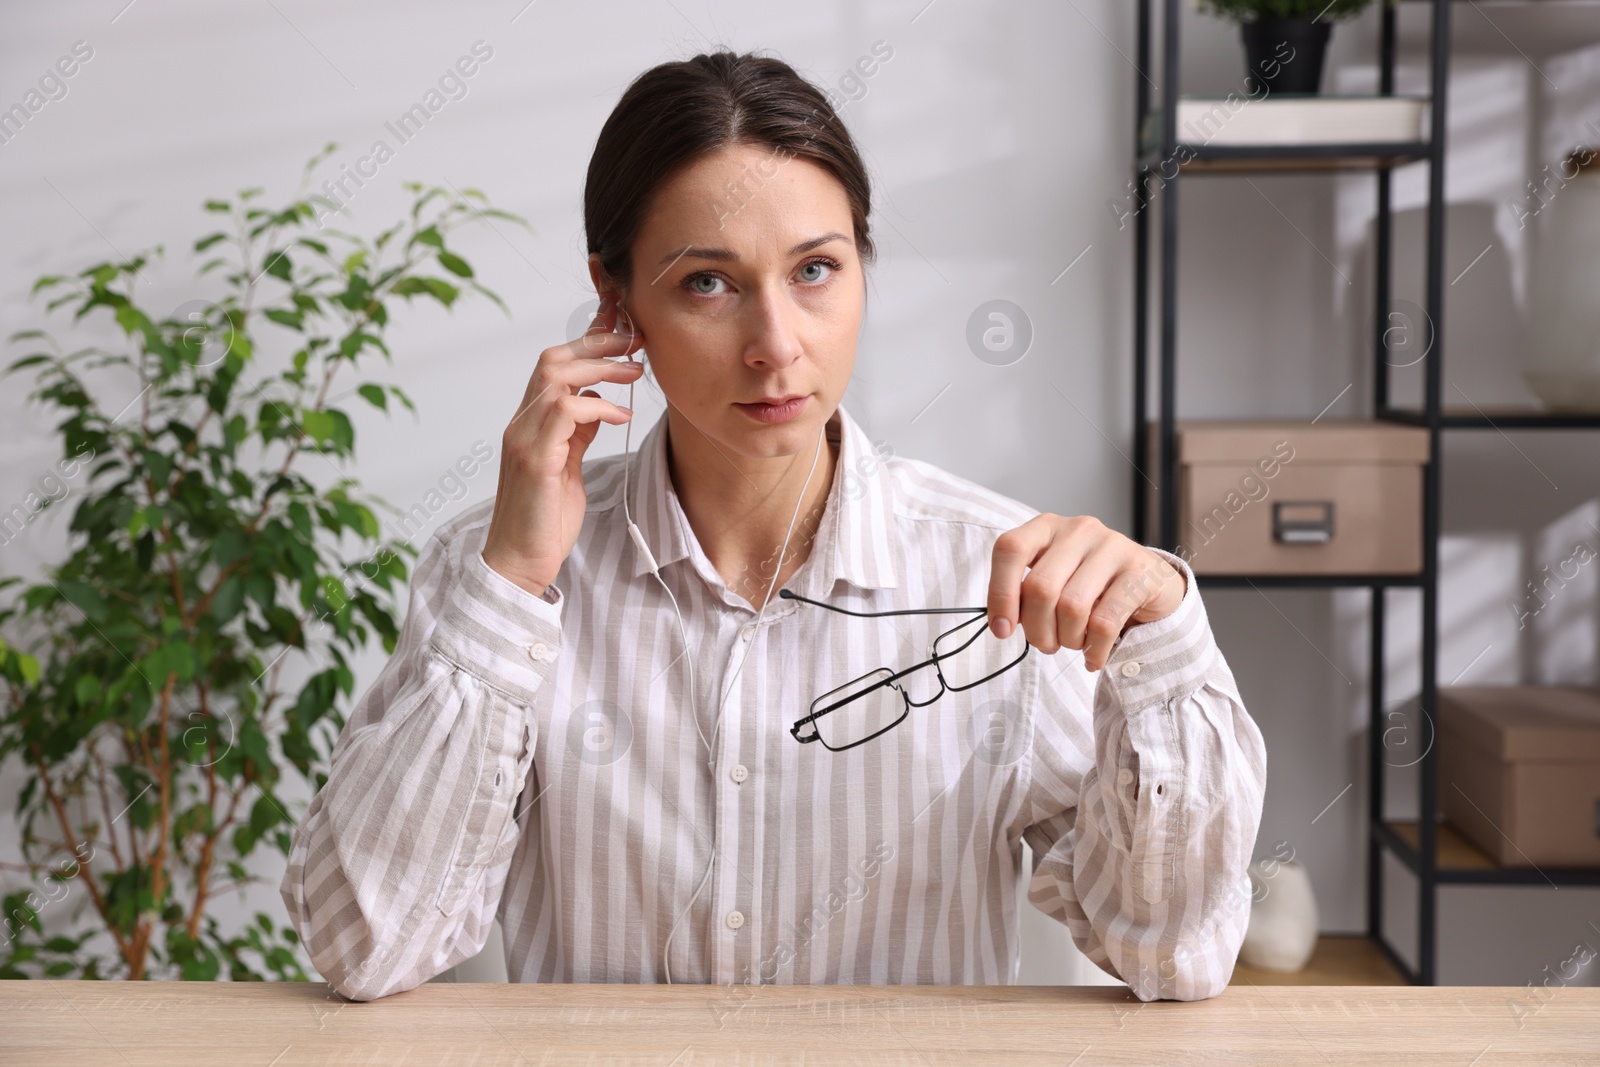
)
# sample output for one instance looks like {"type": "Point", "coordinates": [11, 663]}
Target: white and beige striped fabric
{"type": "Point", "coordinates": [538, 759]}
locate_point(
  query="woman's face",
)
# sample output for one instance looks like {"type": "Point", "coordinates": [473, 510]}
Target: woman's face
{"type": "Point", "coordinates": [746, 287]}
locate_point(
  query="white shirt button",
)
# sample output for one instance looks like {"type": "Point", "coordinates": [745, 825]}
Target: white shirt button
{"type": "Point", "coordinates": [539, 651]}
{"type": "Point", "coordinates": [746, 631]}
{"type": "Point", "coordinates": [739, 773]}
{"type": "Point", "coordinates": [1124, 776]}
{"type": "Point", "coordinates": [1130, 668]}
{"type": "Point", "coordinates": [735, 920]}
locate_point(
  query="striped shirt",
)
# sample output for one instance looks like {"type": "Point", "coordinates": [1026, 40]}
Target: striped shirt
{"type": "Point", "coordinates": [540, 759]}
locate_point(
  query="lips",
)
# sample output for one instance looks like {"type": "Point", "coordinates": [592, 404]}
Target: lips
{"type": "Point", "coordinates": [773, 412]}
{"type": "Point", "coordinates": [775, 400]}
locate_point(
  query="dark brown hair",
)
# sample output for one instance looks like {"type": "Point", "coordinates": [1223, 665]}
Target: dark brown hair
{"type": "Point", "coordinates": [674, 113]}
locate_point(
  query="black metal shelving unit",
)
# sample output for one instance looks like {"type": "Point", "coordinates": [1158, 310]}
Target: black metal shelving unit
{"type": "Point", "coordinates": [1418, 845]}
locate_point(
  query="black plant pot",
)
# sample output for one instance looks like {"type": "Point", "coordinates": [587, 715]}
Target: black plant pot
{"type": "Point", "coordinates": [1284, 55]}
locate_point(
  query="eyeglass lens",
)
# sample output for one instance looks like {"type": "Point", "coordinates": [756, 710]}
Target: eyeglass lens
{"type": "Point", "coordinates": [874, 705]}
{"type": "Point", "coordinates": [971, 654]}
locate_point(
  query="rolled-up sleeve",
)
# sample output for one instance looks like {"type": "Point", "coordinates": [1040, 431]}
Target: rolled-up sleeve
{"type": "Point", "coordinates": [1143, 849]}
{"type": "Point", "coordinates": [395, 871]}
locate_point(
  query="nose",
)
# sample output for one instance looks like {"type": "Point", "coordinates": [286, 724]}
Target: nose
{"type": "Point", "coordinates": [774, 329]}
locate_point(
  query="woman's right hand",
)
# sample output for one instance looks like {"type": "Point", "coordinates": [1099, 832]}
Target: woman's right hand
{"type": "Point", "coordinates": [540, 503]}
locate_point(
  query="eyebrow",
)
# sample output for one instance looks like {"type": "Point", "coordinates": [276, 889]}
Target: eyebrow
{"type": "Point", "coordinates": [728, 255]}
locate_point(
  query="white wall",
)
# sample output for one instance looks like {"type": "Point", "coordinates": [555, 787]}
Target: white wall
{"type": "Point", "coordinates": [995, 136]}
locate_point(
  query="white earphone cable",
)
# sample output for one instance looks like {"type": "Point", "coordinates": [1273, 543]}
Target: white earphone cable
{"type": "Point", "coordinates": [638, 539]}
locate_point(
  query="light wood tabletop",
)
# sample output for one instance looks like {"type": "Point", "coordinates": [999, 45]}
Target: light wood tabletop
{"type": "Point", "coordinates": [174, 1024]}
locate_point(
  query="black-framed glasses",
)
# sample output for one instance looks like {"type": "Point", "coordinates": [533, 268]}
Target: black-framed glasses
{"type": "Point", "coordinates": [966, 655]}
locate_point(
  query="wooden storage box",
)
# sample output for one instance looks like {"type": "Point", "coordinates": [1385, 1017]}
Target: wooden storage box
{"type": "Point", "coordinates": [1519, 772]}
{"type": "Point", "coordinates": [1276, 497]}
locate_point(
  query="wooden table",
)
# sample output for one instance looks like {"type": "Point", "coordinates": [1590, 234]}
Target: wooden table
{"type": "Point", "coordinates": [284, 1025]}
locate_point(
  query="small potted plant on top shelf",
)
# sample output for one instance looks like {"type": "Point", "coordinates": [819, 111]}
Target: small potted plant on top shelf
{"type": "Point", "coordinates": [1284, 40]}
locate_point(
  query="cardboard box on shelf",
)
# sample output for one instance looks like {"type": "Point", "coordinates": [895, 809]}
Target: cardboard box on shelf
{"type": "Point", "coordinates": [1519, 771]}
{"type": "Point", "coordinates": [1295, 497]}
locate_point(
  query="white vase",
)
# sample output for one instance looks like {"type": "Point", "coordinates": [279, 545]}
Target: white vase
{"type": "Point", "coordinates": [1283, 917]}
{"type": "Point", "coordinates": [1562, 361]}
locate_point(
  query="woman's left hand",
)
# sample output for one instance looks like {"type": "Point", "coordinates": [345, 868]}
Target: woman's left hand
{"type": "Point", "coordinates": [1085, 584]}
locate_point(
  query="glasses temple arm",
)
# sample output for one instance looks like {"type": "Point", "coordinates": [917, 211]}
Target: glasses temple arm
{"type": "Point", "coordinates": [789, 595]}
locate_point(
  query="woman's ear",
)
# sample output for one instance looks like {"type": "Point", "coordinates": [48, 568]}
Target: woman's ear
{"type": "Point", "coordinates": [597, 275]}
{"type": "Point", "coordinates": [605, 287]}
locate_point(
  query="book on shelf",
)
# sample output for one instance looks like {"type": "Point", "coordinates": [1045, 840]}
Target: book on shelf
{"type": "Point", "coordinates": [1239, 121]}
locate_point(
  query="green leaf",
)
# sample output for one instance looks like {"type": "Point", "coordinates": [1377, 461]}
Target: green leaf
{"type": "Point", "coordinates": [228, 600]}
{"type": "Point", "coordinates": [160, 465]}
{"type": "Point", "coordinates": [454, 264]}
{"type": "Point", "coordinates": [442, 290]}
{"type": "Point", "coordinates": [254, 744]}
{"type": "Point", "coordinates": [278, 266]}
{"type": "Point", "coordinates": [131, 319]}
{"type": "Point", "coordinates": [353, 343]}
{"type": "Point", "coordinates": [264, 815]}
{"type": "Point", "coordinates": [239, 345]}
{"type": "Point", "coordinates": [218, 205]}
{"type": "Point", "coordinates": [228, 546]}
{"type": "Point", "coordinates": [86, 689]}
{"type": "Point", "coordinates": [262, 589]}
{"type": "Point", "coordinates": [29, 361]}
{"type": "Point", "coordinates": [437, 288]}
{"type": "Point", "coordinates": [344, 434]}
{"type": "Point", "coordinates": [300, 516]}
{"type": "Point", "coordinates": [496, 213]}
{"type": "Point", "coordinates": [318, 425]}
{"type": "Point", "coordinates": [375, 395]}
{"type": "Point", "coordinates": [492, 295]}
{"type": "Point", "coordinates": [27, 794]}
{"type": "Point", "coordinates": [84, 598]}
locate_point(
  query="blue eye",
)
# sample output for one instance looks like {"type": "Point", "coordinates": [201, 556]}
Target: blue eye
{"type": "Point", "coordinates": [827, 264]}
{"type": "Point", "coordinates": [693, 280]}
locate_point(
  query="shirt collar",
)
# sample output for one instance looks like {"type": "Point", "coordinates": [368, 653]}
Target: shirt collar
{"type": "Point", "coordinates": [856, 540]}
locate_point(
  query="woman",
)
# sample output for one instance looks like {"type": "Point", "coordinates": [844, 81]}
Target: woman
{"type": "Point", "coordinates": [596, 726]}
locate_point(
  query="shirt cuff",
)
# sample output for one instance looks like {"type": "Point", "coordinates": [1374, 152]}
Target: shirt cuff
{"type": "Point", "coordinates": [1153, 662]}
{"type": "Point", "coordinates": [498, 631]}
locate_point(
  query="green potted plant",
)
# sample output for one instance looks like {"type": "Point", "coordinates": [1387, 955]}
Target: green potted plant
{"type": "Point", "coordinates": [141, 683]}
{"type": "Point", "coordinates": [1284, 40]}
